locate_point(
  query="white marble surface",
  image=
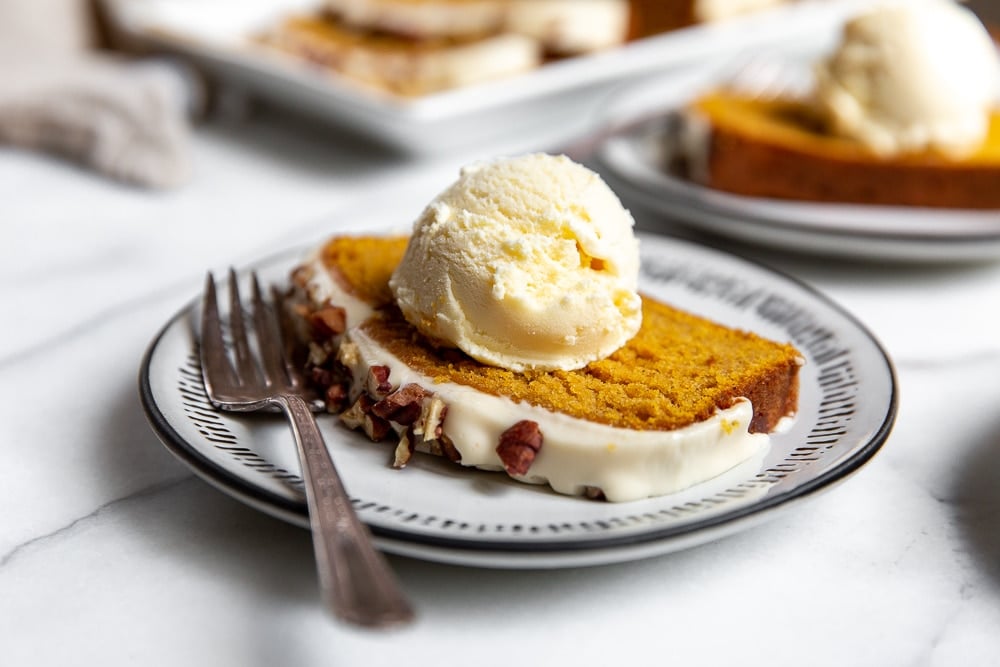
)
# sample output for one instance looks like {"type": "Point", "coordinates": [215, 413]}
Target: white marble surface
{"type": "Point", "coordinates": [111, 551]}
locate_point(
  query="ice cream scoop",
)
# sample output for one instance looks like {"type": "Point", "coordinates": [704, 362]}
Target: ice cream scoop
{"type": "Point", "coordinates": [910, 76]}
{"type": "Point", "coordinates": [524, 262]}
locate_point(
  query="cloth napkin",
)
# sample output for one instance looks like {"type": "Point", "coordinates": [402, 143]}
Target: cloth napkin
{"type": "Point", "coordinates": [59, 94]}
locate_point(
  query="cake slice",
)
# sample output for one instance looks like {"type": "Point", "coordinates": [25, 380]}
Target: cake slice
{"type": "Point", "coordinates": [902, 111]}
{"type": "Point", "coordinates": [683, 401]}
{"type": "Point", "coordinates": [562, 27]}
{"type": "Point", "coordinates": [421, 19]}
{"type": "Point", "coordinates": [780, 149]}
{"type": "Point", "coordinates": [418, 47]}
{"type": "Point", "coordinates": [399, 64]}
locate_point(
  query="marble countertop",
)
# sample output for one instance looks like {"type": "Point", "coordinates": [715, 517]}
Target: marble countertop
{"type": "Point", "coordinates": [111, 550]}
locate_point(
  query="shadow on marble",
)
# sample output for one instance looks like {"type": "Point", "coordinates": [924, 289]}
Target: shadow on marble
{"type": "Point", "coordinates": [256, 565]}
{"type": "Point", "coordinates": [976, 498]}
{"type": "Point", "coordinates": [205, 526]}
{"type": "Point", "coordinates": [129, 454]}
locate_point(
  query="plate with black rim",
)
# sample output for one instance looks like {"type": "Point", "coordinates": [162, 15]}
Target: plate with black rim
{"type": "Point", "coordinates": [635, 159]}
{"type": "Point", "coordinates": [440, 511]}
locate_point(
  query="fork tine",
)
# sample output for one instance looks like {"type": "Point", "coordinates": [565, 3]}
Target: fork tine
{"type": "Point", "coordinates": [245, 366]}
{"type": "Point", "coordinates": [287, 333]}
{"type": "Point", "coordinates": [268, 338]}
{"type": "Point", "coordinates": [217, 371]}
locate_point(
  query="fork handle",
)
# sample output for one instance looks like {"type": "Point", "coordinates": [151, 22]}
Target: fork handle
{"type": "Point", "coordinates": [356, 582]}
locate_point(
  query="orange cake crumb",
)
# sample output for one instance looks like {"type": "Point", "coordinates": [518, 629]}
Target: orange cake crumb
{"type": "Point", "coordinates": [678, 370]}
{"type": "Point", "coordinates": [364, 264]}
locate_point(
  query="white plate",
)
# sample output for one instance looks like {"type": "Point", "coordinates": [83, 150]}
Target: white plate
{"type": "Point", "coordinates": [632, 159]}
{"type": "Point", "coordinates": [215, 33]}
{"type": "Point", "coordinates": [439, 511]}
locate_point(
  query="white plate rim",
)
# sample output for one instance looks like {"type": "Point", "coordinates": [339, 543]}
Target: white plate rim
{"type": "Point", "coordinates": [561, 552]}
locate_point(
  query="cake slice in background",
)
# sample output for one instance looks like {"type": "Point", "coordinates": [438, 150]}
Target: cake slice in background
{"type": "Point", "coordinates": [902, 112]}
{"type": "Point", "coordinates": [401, 65]}
{"type": "Point", "coordinates": [418, 47]}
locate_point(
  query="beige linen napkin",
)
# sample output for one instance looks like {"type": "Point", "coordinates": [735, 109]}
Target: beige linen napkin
{"type": "Point", "coordinates": [58, 94]}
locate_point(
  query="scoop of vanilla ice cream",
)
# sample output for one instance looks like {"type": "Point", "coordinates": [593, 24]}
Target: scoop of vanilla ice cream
{"type": "Point", "coordinates": [912, 75]}
{"type": "Point", "coordinates": [524, 262]}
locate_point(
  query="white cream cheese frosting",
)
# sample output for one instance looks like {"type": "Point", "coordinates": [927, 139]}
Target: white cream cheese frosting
{"type": "Point", "coordinates": [577, 455]}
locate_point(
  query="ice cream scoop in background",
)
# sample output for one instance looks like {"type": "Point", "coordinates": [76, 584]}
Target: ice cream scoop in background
{"type": "Point", "coordinates": [912, 75]}
{"type": "Point", "coordinates": [524, 262]}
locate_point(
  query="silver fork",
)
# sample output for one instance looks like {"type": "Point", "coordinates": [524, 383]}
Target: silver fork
{"type": "Point", "coordinates": [355, 580]}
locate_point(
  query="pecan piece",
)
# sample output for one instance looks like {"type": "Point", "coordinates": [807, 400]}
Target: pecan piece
{"type": "Point", "coordinates": [518, 446]}
{"type": "Point", "coordinates": [378, 381]}
{"type": "Point", "coordinates": [302, 275]}
{"type": "Point", "coordinates": [448, 449]}
{"type": "Point", "coordinates": [404, 450]}
{"type": "Point", "coordinates": [336, 397]}
{"type": "Point", "coordinates": [402, 406]}
{"type": "Point", "coordinates": [328, 321]}
{"type": "Point", "coordinates": [431, 423]}
{"type": "Point", "coordinates": [354, 416]}
{"type": "Point", "coordinates": [320, 376]}
{"type": "Point", "coordinates": [359, 415]}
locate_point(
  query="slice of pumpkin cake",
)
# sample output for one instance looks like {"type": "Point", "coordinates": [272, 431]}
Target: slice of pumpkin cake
{"type": "Point", "coordinates": [506, 333]}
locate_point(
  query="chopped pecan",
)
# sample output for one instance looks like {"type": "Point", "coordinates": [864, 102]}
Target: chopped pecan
{"type": "Point", "coordinates": [359, 415]}
{"type": "Point", "coordinates": [594, 493]}
{"type": "Point", "coordinates": [328, 321]}
{"type": "Point", "coordinates": [430, 425]}
{"type": "Point", "coordinates": [439, 427]}
{"type": "Point", "coordinates": [302, 275]}
{"type": "Point", "coordinates": [378, 381]}
{"type": "Point", "coordinates": [518, 446]}
{"type": "Point", "coordinates": [448, 449]}
{"type": "Point", "coordinates": [404, 450]}
{"type": "Point", "coordinates": [354, 416]}
{"type": "Point", "coordinates": [376, 428]}
{"type": "Point", "coordinates": [403, 406]}
{"type": "Point", "coordinates": [320, 376]}
{"type": "Point", "coordinates": [336, 397]}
